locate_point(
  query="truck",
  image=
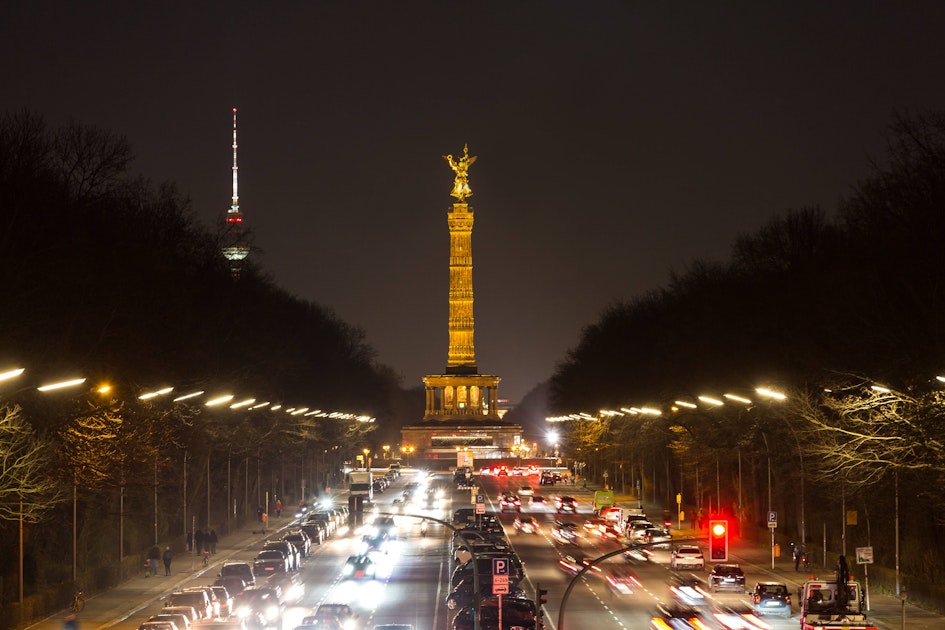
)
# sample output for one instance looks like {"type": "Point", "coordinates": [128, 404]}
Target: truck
{"type": "Point", "coordinates": [826, 607]}
{"type": "Point", "coordinates": [361, 484]}
{"type": "Point", "coordinates": [602, 499]}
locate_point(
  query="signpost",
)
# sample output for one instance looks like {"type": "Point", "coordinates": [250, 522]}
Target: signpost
{"type": "Point", "coordinates": [772, 525]}
{"type": "Point", "coordinates": [864, 556]}
{"type": "Point", "coordinates": [480, 504]}
{"type": "Point", "coordinates": [500, 581]}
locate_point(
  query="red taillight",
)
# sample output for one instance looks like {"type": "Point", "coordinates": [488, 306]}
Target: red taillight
{"type": "Point", "coordinates": [788, 600]}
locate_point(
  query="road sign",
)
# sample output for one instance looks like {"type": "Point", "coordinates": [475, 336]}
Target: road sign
{"type": "Point", "coordinates": [772, 519]}
{"type": "Point", "coordinates": [864, 555]}
{"type": "Point", "coordinates": [500, 576]}
{"type": "Point", "coordinates": [480, 508]}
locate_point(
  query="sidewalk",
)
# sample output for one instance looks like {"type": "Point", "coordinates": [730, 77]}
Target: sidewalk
{"type": "Point", "coordinates": [113, 606]}
{"type": "Point", "coordinates": [885, 610]}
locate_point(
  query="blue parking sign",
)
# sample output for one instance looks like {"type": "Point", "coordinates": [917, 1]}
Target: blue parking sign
{"type": "Point", "coordinates": [500, 566]}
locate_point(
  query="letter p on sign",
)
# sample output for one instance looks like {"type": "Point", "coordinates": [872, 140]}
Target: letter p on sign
{"type": "Point", "coordinates": [500, 566]}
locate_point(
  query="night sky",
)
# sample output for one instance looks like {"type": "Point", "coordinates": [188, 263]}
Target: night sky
{"type": "Point", "coordinates": [616, 141]}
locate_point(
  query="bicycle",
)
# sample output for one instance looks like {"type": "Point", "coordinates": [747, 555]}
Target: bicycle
{"type": "Point", "coordinates": [78, 602]}
{"type": "Point", "coordinates": [206, 558]}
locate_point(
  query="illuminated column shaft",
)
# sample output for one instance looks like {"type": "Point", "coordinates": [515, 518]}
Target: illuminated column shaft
{"type": "Point", "coordinates": [462, 348]}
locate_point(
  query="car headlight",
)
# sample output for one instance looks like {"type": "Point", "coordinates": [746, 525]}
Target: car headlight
{"type": "Point", "coordinates": [242, 611]}
{"type": "Point", "coordinates": [349, 624]}
{"type": "Point", "coordinates": [347, 570]}
{"type": "Point", "coordinates": [272, 612]}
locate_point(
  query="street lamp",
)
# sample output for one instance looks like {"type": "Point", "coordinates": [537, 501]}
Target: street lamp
{"type": "Point", "coordinates": [386, 448]}
{"type": "Point", "coordinates": [367, 459]}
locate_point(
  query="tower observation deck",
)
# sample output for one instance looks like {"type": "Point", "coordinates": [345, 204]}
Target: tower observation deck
{"type": "Point", "coordinates": [235, 247]}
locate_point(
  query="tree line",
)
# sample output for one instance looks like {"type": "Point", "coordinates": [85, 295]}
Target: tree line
{"type": "Point", "coordinates": [109, 275]}
{"type": "Point", "coordinates": [845, 313]}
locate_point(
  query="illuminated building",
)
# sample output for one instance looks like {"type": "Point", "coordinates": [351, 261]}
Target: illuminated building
{"type": "Point", "coordinates": [462, 406]}
{"type": "Point", "coordinates": [235, 248]}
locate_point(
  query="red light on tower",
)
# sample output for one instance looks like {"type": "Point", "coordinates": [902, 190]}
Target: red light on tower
{"type": "Point", "coordinates": [718, 541]}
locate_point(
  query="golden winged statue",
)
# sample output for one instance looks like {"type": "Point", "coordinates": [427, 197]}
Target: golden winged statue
{"type": "Point", "coordinates": [461, 189]}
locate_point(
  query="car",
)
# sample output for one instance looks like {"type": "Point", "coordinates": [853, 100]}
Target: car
{"type": "Point", "coordinates": [242, 570]}
{"type": "Point", "coordinates": [371, 544]}
{"type": "Point", "coordinates": [319, 623]}
{"type": "Point", "coordinates": [291, 552]}
{"type": "Point", "coordinates": [301, 541]}
{"type": "Point", "coordinates": [601, 528]}
{"type": "Point", "coordinates": [464, 515]}
{"type": "Point", "coordinates": [565, 533]}
{"type": "Point", "coordinates": [233, 585]}
{"type": "Point", "coordinates": [538, 502]}
{"type": "Point", "coordinates": [463, 595]}
{"type": "Point", "coordinates": [260, 604]}
{"type": "Point", "coordinates": [484, 568]}
{"type": "Point", "coordinates": [636, 529]}
{"type": "Point", "coordinates": [385, 526]}
{"type": "Point", "coordinates": [771, 598]}
{"type": "Point", "coordinates": [291, 585]}
{"type": "Point", "coordinates": [342, 612]}
{"type": "Point", "coordinates": [270, 561]}
{"type": "Point", "coordinates": [677, 615]}
{"type": "Point", "coordinates": [198, 600]}
{"type": "Point", "coordinates": [526, 525]}
{"type": "Point", "coordinates": [187, 612]}
{"type": "Point", "coordinates": [526, 491]}
{"type": "Point", "coordinates": [225, 600]}
{"type": "Point", "coordinates": [394, 626]}
{"type": "Point", "coordinates": [566, 504]}
{"type": "Point", "coordinates": [158, 625]}
{"type": "Point", "coordinates": [727, 576]}
{"type": "Point", "coordinates": [621, 580]}
{"type": "Point", "coordinates": [657, 538]}
{"type": "Point", "coordinates": [546, 479]}
{"type": "Point", "coordinates": [316, 532]}
{"type": "Point", "coordinates": [211, 595]}
{"type": "Point", "coordinates": [687, 557]}
{"type": "Point", "coordinates": [572, 565]}
{"type": "Point", "coordinates": [359, 568]}
{"type": "Point", "coordinates": [326, 519]}
{"type": "Point", "coordinates": [180, 621]}
{"type": "Point", "coordinates": [464, 551]}
{"type": "Point", "coordinates": [509, 502]}
{"type": "Point", "coordinates": [689, 590]}
{"type": "Point", "coordinates": [516, 613]}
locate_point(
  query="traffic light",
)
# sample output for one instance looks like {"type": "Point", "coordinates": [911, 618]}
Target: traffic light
{"type": "Point", "coordinates": [718, 541]}
{"type": "Point", "coordinates": [540, 600]}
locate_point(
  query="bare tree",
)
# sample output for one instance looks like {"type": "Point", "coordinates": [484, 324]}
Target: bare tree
{"type": "Point", "coordinates": [862, 432]}
{"type": "Point", "coordinates": [26, 487]}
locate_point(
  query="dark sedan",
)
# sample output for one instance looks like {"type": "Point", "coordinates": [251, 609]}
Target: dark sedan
{"type": "Point", "coordinates": [270, 561]}
{"type": "Point", "coordinates": [727, 577]}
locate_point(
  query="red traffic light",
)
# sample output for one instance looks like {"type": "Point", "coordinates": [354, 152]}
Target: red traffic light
{"type": "Point", "coordinates": [718, 540]}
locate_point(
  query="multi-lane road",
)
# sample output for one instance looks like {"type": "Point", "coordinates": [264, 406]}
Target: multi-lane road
{"type": "Point", "coordinates": [413, 577]}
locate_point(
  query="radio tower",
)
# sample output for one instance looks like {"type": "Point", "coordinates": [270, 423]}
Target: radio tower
{"type": "Point", "coordinates": [235, 248]}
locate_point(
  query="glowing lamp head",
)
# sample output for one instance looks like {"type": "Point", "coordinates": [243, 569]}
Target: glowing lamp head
{"type": "Point", "coordinates": [718, 529]}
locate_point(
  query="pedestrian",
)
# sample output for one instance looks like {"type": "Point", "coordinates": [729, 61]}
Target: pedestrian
{"type": "Point", "coordinates": [259, 513]}
{"type": "Point", "coordinates": [278, 508]}
{"type": "Point", "coordinates": [154, 554]}
{"type": "Point", "coordinates": [265, 519]}
{"type": "Point", "coordinates": [167, 560]}
{"type": "Point", "coordinates": [198, 541]}
{"type": "Point", "coordinates": [71, 623]}
{"type": "Point", "coordinates": [213, 541]}
{"type": "Point", "coordinates": [190, 541]}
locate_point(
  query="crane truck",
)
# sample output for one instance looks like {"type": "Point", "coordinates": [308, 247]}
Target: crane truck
{"type": "Point", "coordinates": [824, 606]}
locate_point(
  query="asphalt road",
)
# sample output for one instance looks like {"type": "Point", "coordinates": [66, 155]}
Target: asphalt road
{"type": "Point", "coordinates": [412, 583]}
